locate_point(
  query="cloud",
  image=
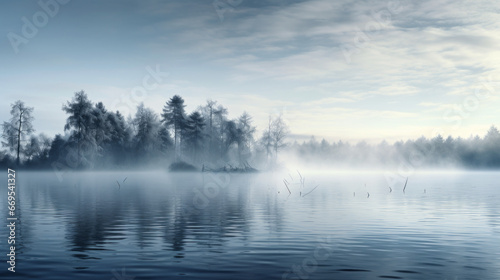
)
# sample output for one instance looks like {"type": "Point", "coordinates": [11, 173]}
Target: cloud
{"type": "Point", "coordinates": [284, 56]}
{"type": "Point", "coordinates": [328, 101]}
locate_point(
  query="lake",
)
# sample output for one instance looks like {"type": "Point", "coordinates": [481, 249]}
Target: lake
{"type": "Point", "coordinates": [325, 225]}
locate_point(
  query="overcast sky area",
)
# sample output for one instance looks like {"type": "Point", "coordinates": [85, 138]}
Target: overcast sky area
{"type": "Point", "coordinates": [339, 70]}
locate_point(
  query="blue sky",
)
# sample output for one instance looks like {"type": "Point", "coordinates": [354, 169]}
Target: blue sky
{"type": "Point", "coordinates": [350, 70]}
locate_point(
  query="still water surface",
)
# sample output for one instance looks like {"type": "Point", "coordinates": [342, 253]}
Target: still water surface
{"type": "Point", "coordinates": [155, 225]}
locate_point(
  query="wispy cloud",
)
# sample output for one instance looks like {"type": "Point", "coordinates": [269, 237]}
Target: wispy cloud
{"type": "Point", "coordinates": [271, 56]}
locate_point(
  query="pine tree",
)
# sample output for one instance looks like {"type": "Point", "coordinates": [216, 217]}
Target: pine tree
{"type": "Point", "coordinates": [174, 117]}
{"type": "Point", "coordinates": [194, 134]}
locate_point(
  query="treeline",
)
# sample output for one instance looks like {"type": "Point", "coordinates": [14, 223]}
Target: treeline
{"type": "Point", "coordinates": [473, 152]}
{"type": "Point", "coordinates": [95, 137]}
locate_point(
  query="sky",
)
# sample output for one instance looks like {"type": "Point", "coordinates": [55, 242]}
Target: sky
{"type": "Point", "coordinates": [340, 70]}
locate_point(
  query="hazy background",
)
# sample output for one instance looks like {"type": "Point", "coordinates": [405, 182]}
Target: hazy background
{"type": "Point", "coordinates": [350, 70]}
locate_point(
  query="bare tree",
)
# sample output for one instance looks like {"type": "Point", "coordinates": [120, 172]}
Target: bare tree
{"type": "Point", "coordinates": [266, 139]}
{"type": "Point", "coordinates": [274, 137]}
{"type": "Point", "coordinates": [19, 126]}
{"type": "Point", "coordinates": [279, 132]}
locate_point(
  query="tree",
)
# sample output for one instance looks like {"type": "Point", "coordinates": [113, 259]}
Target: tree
{"type": "Point", "coordinates": [279, 131]}
{"type": "Point", "coordinates": [101, 126]}
{"type": "Point", "coordinates": [493, 135]}
{"type": "Point", "coordinates": [174, 116]}
{"type": "Point", "coordinates": [146, 140]}
{"type": "Point", "coordinates": [120, 135]}
{"type": "Point", "coordinates": [120, 132]}
{"type": "Point", "coordinates": [6, 160]}
{"type": "Point", "coordinates": [266, 139]}
{"type": "Point", "coordinates": [491, 146]}
{"type": "Point", "coordinates": [44, 142]}
{"type": "Point", "coordinates": [220, 116]}
{"type": "Point", "coordinates": [208, 114]}
{"type": "Point", "coordinates": [245, 135]}
{"type": "Point", "coordinates": [18, 128]}
{"type": "Point", "coordinates": [80, 122]}
{"type": "Point", "coordinates": [229, 137]}
{"type": "Point", "coordinates": [194, 134]}
{"type": "Point", "coordinates": [32, 148]}
{"type": "Point", "coordinates": [37, 149]}
{"type": "Point", "coordinates": [166, 141]}
{"type": "Point", "coordinates": [56, 148]}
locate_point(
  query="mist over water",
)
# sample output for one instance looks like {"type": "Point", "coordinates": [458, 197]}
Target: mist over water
{"type": "Point", "coordinates": [96, 138]}
{"type": "Point", "coordinates": [233, 139]}
{"type": "Point", "coordinates": [320, 225]}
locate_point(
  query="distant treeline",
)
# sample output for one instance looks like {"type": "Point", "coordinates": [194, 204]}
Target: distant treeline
{"type": "Point", "coordinates": [96, 138]}
{"type": "Point", "coordinates": [474, 152]}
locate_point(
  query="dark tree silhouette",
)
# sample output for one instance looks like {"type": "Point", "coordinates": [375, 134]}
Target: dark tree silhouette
{"type": "Point", "coordinates": [120, 137]}
{"type": "Point", "coordinates": [101, 126]}
{"type": "Point", "coordinates": [194, 134]}
{"type": "Point", "coordinates": [80, 123]}
{"type": "Point", "coordinates": [98, 136]}
{"type": "Point", "coordinates": [174, 117]}
{"type": "Point", "coordinates": [56, 148]}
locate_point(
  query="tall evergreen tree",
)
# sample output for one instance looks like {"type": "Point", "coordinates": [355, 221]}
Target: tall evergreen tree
{"type": "Point", "coordinates": [174, 117]}
{"type": "Point", "coordinates": [194, 134]}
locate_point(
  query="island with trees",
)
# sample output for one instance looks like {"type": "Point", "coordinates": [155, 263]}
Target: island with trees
{"type": "Point", "coordinates": [96, 138]}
